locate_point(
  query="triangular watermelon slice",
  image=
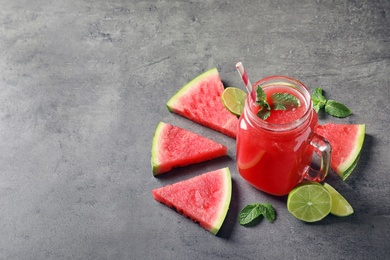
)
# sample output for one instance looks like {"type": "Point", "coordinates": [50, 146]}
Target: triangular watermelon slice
{"type": "Point", "coordinates": [173, 146]}
{"type": "Point", "coordinates": [346, 141]}
{"type": "Point", "coordinates": [204, 199]}
{"type": "Point", "coordinates": [200, 101]}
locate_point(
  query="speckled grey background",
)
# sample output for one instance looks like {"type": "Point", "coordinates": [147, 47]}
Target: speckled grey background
{"type": "Point", "coordinates": [83, 85]}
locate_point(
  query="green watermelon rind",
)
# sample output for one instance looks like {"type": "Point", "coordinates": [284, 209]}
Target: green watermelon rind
{"type": "Point", "coordinates": [345, 169]}
{"type": "Point", "coordinates": [171, 102]}
{"type": "Point", "coordinates": [224, 205]}
{"type": "Point", "coordinates": [154, 158]}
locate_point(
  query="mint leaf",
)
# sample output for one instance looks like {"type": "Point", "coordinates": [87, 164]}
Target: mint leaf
{"type": "Point", "coordinates": [332, 107]}
{"type": "Point", "coordinates": [284, 101]}
{"type": "Point", "coordinates": [277, 106]}
{"type": "Point", "coordinates": [280, 101]}
{"type": "Point", "coordinates": [319, 100]}
{"type": "Point", "coordinates": [263, 113]}
{"type": "Point", "coordinates": [317, 107]}
{"type": "Point", "coordinates": [337, 109]}
{"type": "Point", "coordinates": [262, 98]}
{"type": "Point", "coordinates": [269, 213]}
{"type": "Point", "coordinates": [249, 213]}
{"type": "Point", "coordinates": [253, 211]}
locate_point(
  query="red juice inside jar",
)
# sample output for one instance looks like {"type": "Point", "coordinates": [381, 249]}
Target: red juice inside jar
{"type": "Point", "coordinates": [274, 154]}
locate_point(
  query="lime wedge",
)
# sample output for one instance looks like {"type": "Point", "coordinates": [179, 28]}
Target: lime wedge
{"type": "Point", "coordinates": [340, 206]}
{"type": "Point", "coordinates": [309, 202]}
{"type": "Point", "coordinates": [234, 100]}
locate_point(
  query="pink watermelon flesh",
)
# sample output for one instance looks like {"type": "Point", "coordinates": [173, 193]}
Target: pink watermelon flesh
{"type": "Point", "coordinates": [205, 198]}
{"type": "Point", "coordinates": [346, 141]}
{"type": "Point", "coordinates": [200, 101]}
{"type": "Point", "coordinates": [173, 147]}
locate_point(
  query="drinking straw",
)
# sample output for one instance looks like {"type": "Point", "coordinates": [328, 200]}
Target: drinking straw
{"type": "Point", "coordinates": [245, 79]}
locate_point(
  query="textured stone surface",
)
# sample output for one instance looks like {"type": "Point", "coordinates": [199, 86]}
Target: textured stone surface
{"type": "Point", "coordinates": [83, 84]}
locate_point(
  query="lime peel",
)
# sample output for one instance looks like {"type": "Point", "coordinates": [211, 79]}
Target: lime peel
{"type": "Point", "coordinates": [340, 206]}
{"type": "Point", "coordinates": [234, 100]}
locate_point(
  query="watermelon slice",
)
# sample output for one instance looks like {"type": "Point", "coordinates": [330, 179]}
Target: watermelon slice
{"type": "Point", "coordinates": [200, 101]}
{"type": "Point", "coordinates": [204, 199]}
{"type": "Point", "coordinates": [346, 141]}
{"type": "Point", "coordinates": [173, 146]}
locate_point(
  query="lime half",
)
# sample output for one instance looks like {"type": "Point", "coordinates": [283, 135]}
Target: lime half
{"type": "Point", "coordinates": [234, 100]}
{"type": "Point", "coordinates": [309, 202]}
{"type": "Point", "coordinates": [340, 206]}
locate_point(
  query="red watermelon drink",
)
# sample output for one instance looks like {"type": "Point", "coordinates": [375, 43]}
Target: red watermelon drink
{"type": "Point", "coordinates": [275, 154]}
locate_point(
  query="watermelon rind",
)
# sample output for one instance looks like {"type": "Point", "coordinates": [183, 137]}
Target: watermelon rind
{"type": "Point", "coordinates": [345, 169]}
{"type": "Point", "coordinates": [154, 158]}
{"type": "Point", "coordinates": [188, 191]}
{"type": "Point", "coordinates": [225, 203]}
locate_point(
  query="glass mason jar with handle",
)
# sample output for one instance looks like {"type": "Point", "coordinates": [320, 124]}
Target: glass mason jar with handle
{"type": "Point", "coordinates": [275, 154]}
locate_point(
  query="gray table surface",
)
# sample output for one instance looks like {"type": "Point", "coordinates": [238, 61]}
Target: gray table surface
{"type": "Point", "coordinates": [83, 85]}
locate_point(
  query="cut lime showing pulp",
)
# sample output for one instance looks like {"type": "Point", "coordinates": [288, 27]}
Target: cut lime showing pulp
{"type": "Point", "coordinates": [340, 206]}
{"type": "Point", "coordinates": [234, 100]}
{"type": "Point", "coordinates": [309, 202]}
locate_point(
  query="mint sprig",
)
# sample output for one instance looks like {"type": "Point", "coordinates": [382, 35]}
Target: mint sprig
{"type": "Point", "coordinates": [319, 100]}
{"type": "Point", "coordinates": [280, 101]}
{"type": "Point", "coordinates": [337, 109]}
{"type": "Point", "coordinates": [284, 101]}
{"type": "Point", "coordinates": [253, 211]}
{"type": "Point", "coordinates": [331, 107]}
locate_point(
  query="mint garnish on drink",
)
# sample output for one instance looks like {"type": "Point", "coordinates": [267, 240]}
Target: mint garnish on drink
{"type": "Point", "coordinates": [280, 101]}
{"type": "Point", "coordinates": [253, 211]}
{"type": "Point", "coordinates": [331, 107]}
{"type": "Point", "coordinates": [284, 101]}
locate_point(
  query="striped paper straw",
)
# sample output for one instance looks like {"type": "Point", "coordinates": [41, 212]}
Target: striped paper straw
{"type": "Point", "coordinates": [245, 79]}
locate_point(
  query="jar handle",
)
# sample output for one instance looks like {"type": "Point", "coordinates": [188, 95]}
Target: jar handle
{"type": "Point", "coordinates": [324, 150]}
